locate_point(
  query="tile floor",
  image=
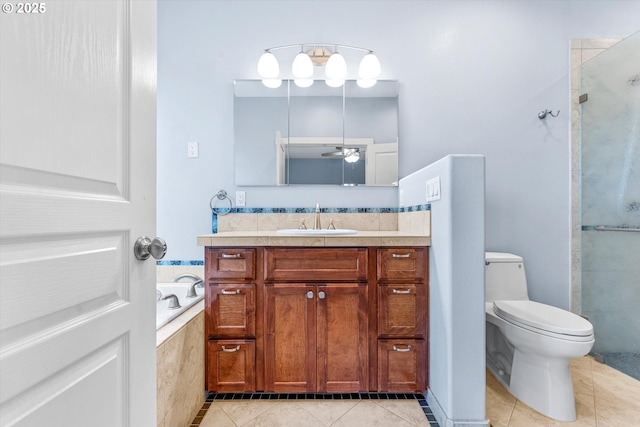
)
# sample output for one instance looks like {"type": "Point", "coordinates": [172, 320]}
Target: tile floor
{"type": "Point", "coordinates": [604, 398]}
{"type": "Point", "coordinates": [364, 410]}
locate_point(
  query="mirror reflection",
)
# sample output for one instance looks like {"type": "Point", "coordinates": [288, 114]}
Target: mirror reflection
{"type": "Point", "coordinates": [317, 135]}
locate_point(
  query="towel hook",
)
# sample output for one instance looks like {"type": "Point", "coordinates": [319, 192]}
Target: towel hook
{"type": "Point", "coordinates": [543, 114]}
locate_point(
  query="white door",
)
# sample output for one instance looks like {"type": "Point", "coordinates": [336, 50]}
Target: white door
{"type": "Point", "coordinates": [77, 187]}
{"type": "Point", "coordinates": [382, 164]}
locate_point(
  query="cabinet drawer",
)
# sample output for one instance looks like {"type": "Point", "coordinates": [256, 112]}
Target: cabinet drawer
{"type": "Point", "coordinates": [401, 365]}
{"type": "Point", "coordinates": [316, 264]}
{"type": "Point", "coordinates": [232, 310]}
{"type": "Point", "coordinates": [402, 264]}
{"type": "Point", "coordinates": [231, 263]}
{"type": "Point", "coordinates": [231, 365]}
{"type": "Point", "coordinates": [402, 310]}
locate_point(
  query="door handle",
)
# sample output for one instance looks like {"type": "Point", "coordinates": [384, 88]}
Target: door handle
{"type": "Point", "coordinates": [145, 247]}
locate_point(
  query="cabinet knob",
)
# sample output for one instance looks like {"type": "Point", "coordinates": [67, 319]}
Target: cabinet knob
{"type": "Point", "coordinates": [321, 295]}
{"type": "Point", "coordinates": [310, 294]}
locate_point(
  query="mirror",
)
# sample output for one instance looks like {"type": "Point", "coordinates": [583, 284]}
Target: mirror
{"type": "Point", "coordinates": [317, 135]}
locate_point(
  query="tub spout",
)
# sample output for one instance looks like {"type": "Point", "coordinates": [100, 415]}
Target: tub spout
{"type": "Point", "coordinates": [173, 301]}
{"type": "Point", "coordinates": [196, 282]}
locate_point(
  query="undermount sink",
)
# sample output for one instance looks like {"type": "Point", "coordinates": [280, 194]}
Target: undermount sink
{"type": "Point", "coordinates": [312, 232]}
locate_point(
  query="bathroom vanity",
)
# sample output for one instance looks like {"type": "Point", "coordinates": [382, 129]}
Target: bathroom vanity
{"type": "Point", "coordinates": [334, 317]}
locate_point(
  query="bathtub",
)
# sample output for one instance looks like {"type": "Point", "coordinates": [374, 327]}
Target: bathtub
{"type": "Point", "coordinates": [165, 315]}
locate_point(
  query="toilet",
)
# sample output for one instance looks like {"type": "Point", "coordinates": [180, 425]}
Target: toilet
{"type": "Point", "coordinates": [529, 344]}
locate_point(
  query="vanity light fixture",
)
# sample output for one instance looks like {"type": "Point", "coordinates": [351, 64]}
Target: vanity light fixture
{"type": "Point", "coordinates": [319, 55]}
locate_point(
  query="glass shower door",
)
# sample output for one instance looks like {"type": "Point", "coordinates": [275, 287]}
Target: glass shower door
{"type": "Point", "coordinates": [610, 203]}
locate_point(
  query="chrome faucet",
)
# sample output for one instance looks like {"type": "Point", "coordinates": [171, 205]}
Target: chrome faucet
{"type": "Point", "coordinates": [197, 282]}
{"type": "Point", "coordinates": [316, 223]}
{"type": "Point", "coordinates": [173, 301]}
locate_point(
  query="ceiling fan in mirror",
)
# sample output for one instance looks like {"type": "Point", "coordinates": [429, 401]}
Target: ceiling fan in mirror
{"type": "Point", "coordinates": [350, 155]}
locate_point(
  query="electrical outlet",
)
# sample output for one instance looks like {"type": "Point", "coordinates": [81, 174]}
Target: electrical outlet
{"type": "Point", "coordinates": [192, 149]}
{"type": "Point", "coordinates": [241, 198]}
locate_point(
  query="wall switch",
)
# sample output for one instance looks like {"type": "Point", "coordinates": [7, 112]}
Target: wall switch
{"type": "Point", "coordinates": [241, 198]}
{"type": "Point", "coordinates": [192, 149]}
{"type": "Point", "coordinates": [433, 189]}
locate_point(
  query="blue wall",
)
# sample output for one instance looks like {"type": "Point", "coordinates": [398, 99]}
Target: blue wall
{"type": "Point", "coordinates": [473, 76]}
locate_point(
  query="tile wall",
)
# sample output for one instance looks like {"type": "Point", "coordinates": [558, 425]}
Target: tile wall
{"type": "Point", "coordinates": [180, 372]}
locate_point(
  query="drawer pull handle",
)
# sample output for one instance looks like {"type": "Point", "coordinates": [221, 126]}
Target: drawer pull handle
{"type": "Point", "coordinates": [230, 350]}
{"type": "Point", "coordinates": [400, 255]}
{"type": "Point", "coordinates": [402, 350]}
{"type": "Point", "coordinates": [231, 255]}
{"type": "Point", "coordinates": [402, 291]}
{"type": "Point", "coordinates": [310, 294]}
{"type": "Point", "coordinates": [226, 292]}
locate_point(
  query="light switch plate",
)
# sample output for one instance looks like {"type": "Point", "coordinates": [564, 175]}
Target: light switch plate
{"type": "Point", "coordinates": [433, 189]}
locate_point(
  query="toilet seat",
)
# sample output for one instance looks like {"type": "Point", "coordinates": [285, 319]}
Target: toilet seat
{"type": "Point", "coordinates": [544, 319]}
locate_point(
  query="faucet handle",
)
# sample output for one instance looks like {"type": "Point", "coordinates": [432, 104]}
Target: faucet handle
{"type": "Point", "coordinates": [332, 226]}
{"type": "Point", "coordinates": [302, 225]}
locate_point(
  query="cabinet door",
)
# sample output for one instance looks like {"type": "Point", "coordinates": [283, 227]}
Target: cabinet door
{"type": "Point", "coordinates": [402, 310]}
{"type": "Point", "coordinates": [401, 365]}
{"type": "Point", "coordinates": [290, 342]}
{"type": "Point", "coordinates": [232, 310]}
{"type": "Point", "coordinates": [231, 365]}
{"type": "Point", "coordinates": [342, 329]}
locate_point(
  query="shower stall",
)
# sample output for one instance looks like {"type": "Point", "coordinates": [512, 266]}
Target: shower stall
{"type": "Point", "coordinates": [610, 202]}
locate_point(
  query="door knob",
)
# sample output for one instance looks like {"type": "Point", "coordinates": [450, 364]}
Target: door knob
{"type": "Point", "coordinates": [144, 247]}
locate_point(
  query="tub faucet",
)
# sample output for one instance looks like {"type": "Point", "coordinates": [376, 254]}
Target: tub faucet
{"type": "Point", "coordinates": [316, 223]}
{"type": "Point", "coordinates": [173, 301]}
{"type": "Point", "coordinates": [197, 282]}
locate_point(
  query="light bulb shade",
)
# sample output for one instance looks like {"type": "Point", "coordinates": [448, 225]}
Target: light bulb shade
{"type": "Point", "coordinates": [351, 156]}
{"type": "Point", "coordinates": [369, 67]}
{"type": "Point", "coordinates": [303, 82]}
{"type": "Point", "coordinates": [366, 83]}
{"type": "Point", "coordinates": [336, 67]}
{"type": "Point", "coordinates": [334, 82]}
{"type": "Point", "coordinates": [302, 67]}
{"type": "Point", "coordinates": [272, 83]}
{"type": "Point", "coordinates": [268, 67]}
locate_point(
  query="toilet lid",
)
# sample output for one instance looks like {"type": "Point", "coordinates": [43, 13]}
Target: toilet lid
{"type": "Point", "coordinates": [543, 317]}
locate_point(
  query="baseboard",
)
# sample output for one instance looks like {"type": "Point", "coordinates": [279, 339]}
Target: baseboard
{"type": "Point", "coordinates": [444, 420]}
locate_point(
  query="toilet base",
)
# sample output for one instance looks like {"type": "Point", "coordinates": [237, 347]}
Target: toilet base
{"type": "Point", "coordinates": [544, 384]}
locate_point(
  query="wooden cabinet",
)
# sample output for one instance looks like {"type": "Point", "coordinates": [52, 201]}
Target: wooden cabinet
{"type": "Point", "coordinates": [230, 319]}
{"type": "Point", "coordinates": [316, 337]}
{"type": "Point", "coordinates": [335, 320]}
{"type": "Point", "coordinates": [402, 319]}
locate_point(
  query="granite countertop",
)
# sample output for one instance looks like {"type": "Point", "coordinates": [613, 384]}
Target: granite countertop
{"type": "Point", "coordinates": [271, 238]}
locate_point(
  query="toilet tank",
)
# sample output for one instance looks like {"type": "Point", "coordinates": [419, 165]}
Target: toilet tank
{"type": "Point", "coordinates": [504, 277]}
